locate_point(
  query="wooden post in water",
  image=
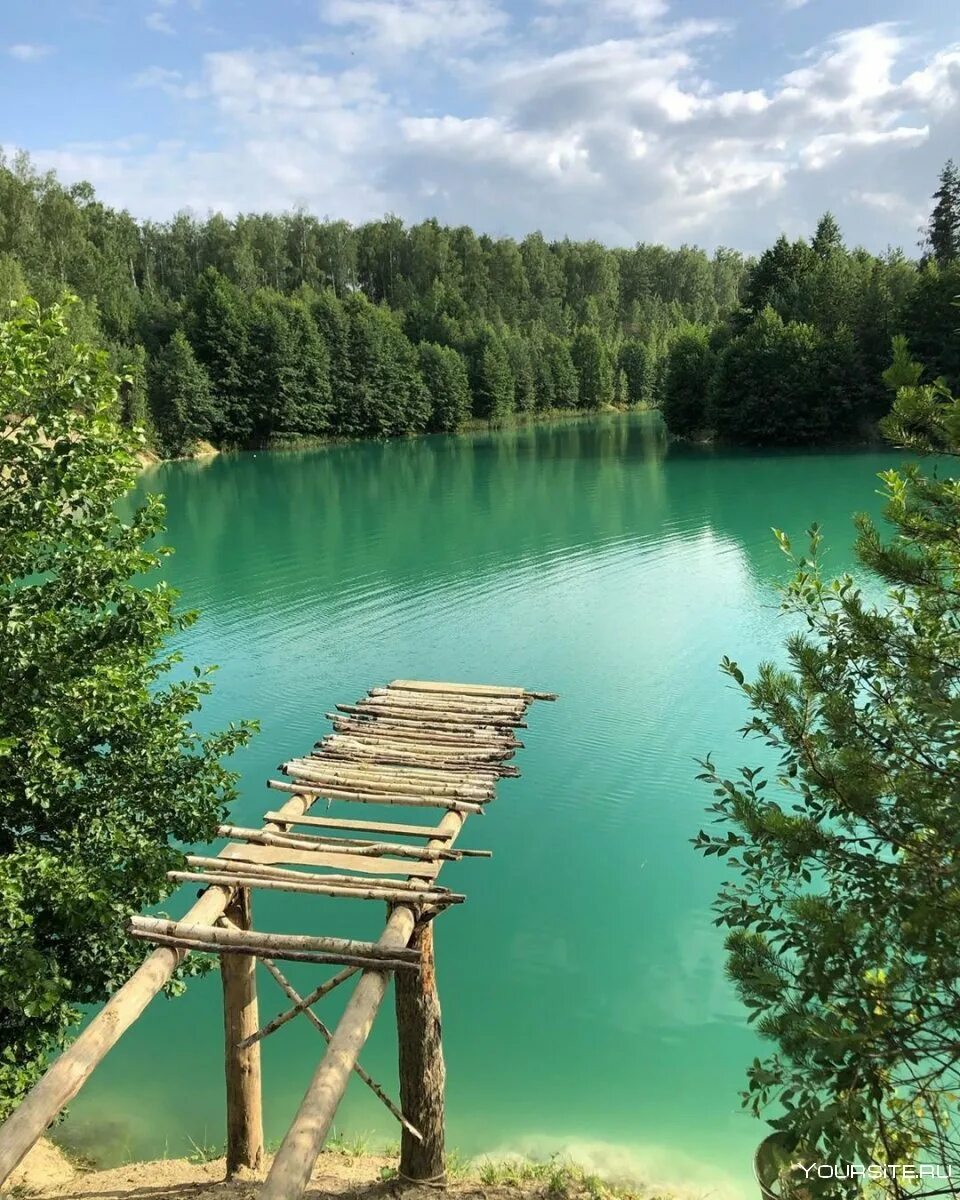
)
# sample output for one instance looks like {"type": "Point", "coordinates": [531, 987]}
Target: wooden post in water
{"type": "Point", "coordinates": [240, 1020]}
{"type": "Point", "coordinates": [422, 1069]}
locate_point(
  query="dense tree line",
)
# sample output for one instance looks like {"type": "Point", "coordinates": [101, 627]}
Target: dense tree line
{"type": "Point", "coordinates": [269, 328]}
{"type": "Point", "coordinates": [802, 360]}
{"type": "Point", "coordinates": [272, 328]}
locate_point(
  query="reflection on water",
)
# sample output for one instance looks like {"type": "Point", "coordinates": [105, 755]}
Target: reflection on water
{"type": "Point", "coordinates": [582, 983]}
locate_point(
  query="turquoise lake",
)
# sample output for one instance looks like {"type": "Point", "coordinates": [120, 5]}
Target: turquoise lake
{"type": "Point", "coordinates": [585, 1005]}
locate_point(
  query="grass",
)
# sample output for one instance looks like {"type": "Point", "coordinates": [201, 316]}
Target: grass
{"type": "Point", "coordinates": [553, 1177]}
{"type": "Point", "coordinates": [356, 1145]}
{"type": "Point", "coordinates": [204, 1152]}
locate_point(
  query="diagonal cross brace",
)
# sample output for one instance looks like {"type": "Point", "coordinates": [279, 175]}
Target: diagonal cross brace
{"type": "Point", "coordinates": [303, 1006]}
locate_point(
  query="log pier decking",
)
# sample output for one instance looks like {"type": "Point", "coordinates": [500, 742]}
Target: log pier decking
{"type": "Point", "coordinates": [413, 744]}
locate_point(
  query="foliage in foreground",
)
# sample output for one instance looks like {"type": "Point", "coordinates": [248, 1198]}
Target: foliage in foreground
{"type": "Point", "coordinates": [99, 764]}
{"type": "Point", "coordinates": [844, 912]}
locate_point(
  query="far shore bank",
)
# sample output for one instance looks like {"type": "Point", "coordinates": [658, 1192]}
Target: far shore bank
{"type": "Point", "coordinates": [517, 420]}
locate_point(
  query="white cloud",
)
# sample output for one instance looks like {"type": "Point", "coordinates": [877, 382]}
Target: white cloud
{"type": "Point", "coordinates": [169, 81]}
{"type": "Point", "coordinates": [403, 25]}
{"type": "Point", "coordinates": [29, 51]}
{"type": "Point", "coordinates": [159, 22]}
{"type": "Point", "coordinates": [638, 11]}
{"type": "Point", "coordinates": [621, 136]}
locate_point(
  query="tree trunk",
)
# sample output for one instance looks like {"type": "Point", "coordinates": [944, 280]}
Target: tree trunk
{"type": "Point", "coordinates": [422, 1070]}
{"type": "Point", "coordinates": [240, 1020]}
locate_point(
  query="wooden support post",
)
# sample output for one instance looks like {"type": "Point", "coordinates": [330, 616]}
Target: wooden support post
{"type": "Point", "coordinates": [422, 1070]}
{"type": "Point", "coordinates": [292, 1167]}
{"type": "Point", "coordinates": [242, 1062]}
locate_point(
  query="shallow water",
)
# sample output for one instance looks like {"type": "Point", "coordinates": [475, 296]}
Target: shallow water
{"type": "Point", "coordinates": [584, 1000]}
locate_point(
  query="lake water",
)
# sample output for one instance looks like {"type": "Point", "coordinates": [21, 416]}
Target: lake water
{"type": "Point", "coordinates": [585, 1006]}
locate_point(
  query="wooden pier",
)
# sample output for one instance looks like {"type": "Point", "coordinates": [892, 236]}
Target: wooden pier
{"type": "Point", "coordinates": [412, 744]}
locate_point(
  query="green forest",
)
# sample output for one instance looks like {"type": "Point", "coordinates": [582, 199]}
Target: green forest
{"type": "Point", "coordinates": [268, 329]}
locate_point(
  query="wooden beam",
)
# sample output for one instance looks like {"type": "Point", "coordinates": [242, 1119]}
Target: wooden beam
{"type": "Point", "coordinates": [260, 860]}
{"type": "Point", "coordinates": [467, 689]}
{"type": "Point", "coordinates": [422, 1069]}
{"type": "Point", "coordinates": [67, 1075]}
{"type": "Point", "coordinates": [337, 793]}
{"type": "Point", "coordinates": [471, 706]}
{"type": "Point", "coordinates": [242, 1063]}
{"type": "Point", "coordinates": [409, 1129]}
{"type": "Point", "coordinates": [365, 848]}
{"type": "Point", "coordinates": [294, 1162]}
{"type": "Point", "coordinates": [365, 778]}
{"type": "Point", "coordinates": [330, 851]}
{"type": "Point", "coordinates": [302, 1005]}
{"type": "Point", "coordinates": [375, 756]}
{"type": "Point", "coordinates": [395, 829]}
{"type": "Point", "coordinates": [253, 942]}
{"type": "Point", "coordinates": [454, 689]}
{"type": "Point", "coordinates": [374, 890]}
{"type": "Point", "coordinates": [307, 956]}
{"type": "Point", "coordinates": [377, 708]}
{"type": "Point", "coordinates": [380, 726]}
{"type": "Point", "coordinates": [476, 774]}
{"type": "Point", "coordinates": [470, 766]}
{"type": "Point", "coordinates": [293, 1165]}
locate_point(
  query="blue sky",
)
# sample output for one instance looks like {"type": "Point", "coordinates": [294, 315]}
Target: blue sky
{"type": "Point", "coordinates": [626, 120]}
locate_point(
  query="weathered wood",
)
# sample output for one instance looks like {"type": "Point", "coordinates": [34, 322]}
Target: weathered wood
{"type": "Point", "coordinates": [453, 704]}
{"type": "Point", "coordinates": [375, 754]}
{"type": "Point", "coordinates": [64, 1079]}
{"type": "Point", "coordinates": [301, 855]}
{"type": "Point", "coordinates": [417, 854]}
{"type": "Point", "coordinates": [478, 774]}
{"type": "Point", "coordinates": [374, 759]}
{"type": "Point", "coordinates": [301, 789]}
{"type": "Point", "coordinates": [325, 849]}
{"type": "Point", "coordinates": [365, 779]}
{"type": "Point", "coordinates": [466, 731]}
{"type": "Point", "coordinates": [474, 755]}
{"type": "Point", "coordinates": [380, 726]}
{"type": "Point", "coordinates": [421, 717]}
{"type": "Point", "coordinates": [238, 974]}
{"type": "Point", "coordinates": [393, 712]}
{"type": "Point", "coordinates": [302, 1005]}
{"type": "Point", "coordinates": [364, 847]}
{"type": "Point", "coordinates": [422, 1069]}
{"type": "Point", "coordinates": [395, 829]}
{"type": "Point", "coordinates": [453, 689]}
{"type": "Point", "coordinates": [374, 891]}
{"type": "Point", "coordinates": [262, 860]}
{"type": "Point", "coordinates": [294, 1162]}
{"type": "Point", "coordinates": [255, 942]}
{"type": "Point", "coordinates": [467, 689]}
{"type": "Point", "coordinates": [409, 774]}
{"type": "Point", "coordinates": [409, 1129]}
{"type": "Point", "coordinates": [417, 760]}
{"type": "Point", "coordinates": [195, 945]}
{"type": "Point", "coordinates": [421, 1063]}
{"type": "Point", "coordinates": [497, 769]}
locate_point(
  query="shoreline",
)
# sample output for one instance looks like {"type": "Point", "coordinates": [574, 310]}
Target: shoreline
{"type": "Point", "coordinates": [517, 420]}
{"type": "Point", "coordinates": [345, 1168]}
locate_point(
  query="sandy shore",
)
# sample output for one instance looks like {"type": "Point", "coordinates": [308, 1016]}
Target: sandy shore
{"type": "Point", "coordinates": [47, 1174]}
